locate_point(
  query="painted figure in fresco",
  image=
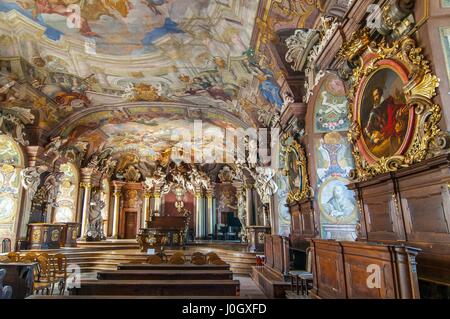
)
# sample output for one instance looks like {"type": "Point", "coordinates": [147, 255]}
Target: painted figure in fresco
{"type": "Point", "coordinates": [153, 5]}
{"type": "Point", "coordinates": [270, 89]}
{"type": "Point", "coordinates": [387, 123]}
{"type": "Point", "coordinates": [58, 7]}
{"type": "Point", "coordinates": [339, 205]}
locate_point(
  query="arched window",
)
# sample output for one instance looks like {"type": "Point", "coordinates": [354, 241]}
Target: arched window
{"type": "Point", "coordinates": [105, 211]}
{"type": "Point", "coordinates": [66, 200]}
{"type": "Point", "coordinates": [11, 163]}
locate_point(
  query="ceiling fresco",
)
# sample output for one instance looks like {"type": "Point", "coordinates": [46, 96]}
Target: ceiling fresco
{"type": "Point", "coordinates": [153, 140]}
{"type": "Point", "coordinates": [180, 51]}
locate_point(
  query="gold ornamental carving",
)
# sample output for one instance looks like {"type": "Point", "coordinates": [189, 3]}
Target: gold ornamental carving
{"type": "Point", "coordinates": [423, 137]}
{"type": "Point", "coordinates": [86, 185]}
{"type": "Point", "coordinates": [303, 190]}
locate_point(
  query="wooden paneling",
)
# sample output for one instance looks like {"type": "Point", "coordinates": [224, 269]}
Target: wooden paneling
{"type": "Point", "coordinates": [413, 206]}
{"type": "Point", "coordinates": [383, 220]}
{"type": "Point", "coordinates": [364, 271]}
{"type": "Point", "coordinates": [328, 269]}
{"type": "Point", "coordinates": [268, 251]}
{"type": "Point", "coordinates": [303, 222]}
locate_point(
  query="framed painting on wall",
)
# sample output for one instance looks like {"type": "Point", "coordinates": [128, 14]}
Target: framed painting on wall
{"type": "Point", "coordinates": [395, 122]}
{"type": "Point", "coordinates": [383, 113]}
{"type": "Point", "coordinates": [445, 3]}
{"type": "Point", "coordinates": [296, 170]}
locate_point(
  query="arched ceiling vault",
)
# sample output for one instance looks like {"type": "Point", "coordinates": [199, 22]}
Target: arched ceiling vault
{"type": "Point", "coordinates": [134, 66]}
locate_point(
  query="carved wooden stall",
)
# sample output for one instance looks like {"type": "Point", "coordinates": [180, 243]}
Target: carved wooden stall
{"type": "Point", "coordinates": [271, 277]}
{"type": "Point", "coordinates": [353, 270]}
{"type": "Point", "coordinates": [414, 209]}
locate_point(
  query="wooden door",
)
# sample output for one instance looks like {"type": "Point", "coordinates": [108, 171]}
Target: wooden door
{"type": "Point", "coordinates": [130, 225]}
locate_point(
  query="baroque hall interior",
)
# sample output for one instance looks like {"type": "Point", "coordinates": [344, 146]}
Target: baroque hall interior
{"type": "Point", "coordinates": [292, 149]}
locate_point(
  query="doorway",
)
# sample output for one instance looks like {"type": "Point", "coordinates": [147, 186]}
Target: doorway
{"type": "Point", "coordinates": [130, 225]}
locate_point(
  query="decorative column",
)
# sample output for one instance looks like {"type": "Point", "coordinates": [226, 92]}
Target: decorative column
{"type": "Point", "coordinates": [86, 188]}
{"type": "Point", "coordinates": [147, 216]}
{"type": "Point", "coordinates": [117, 193]}
{"type": "Point", "coordinates": [249, 205]}
{"type": "Point", "coordinates": [210, 213]}
{"type": "Point", "coordinates": [199, 217]}
{"type": "Point", "coordinates": [30, 178]}
{"type": "Point", "coordinates": [156, 207]}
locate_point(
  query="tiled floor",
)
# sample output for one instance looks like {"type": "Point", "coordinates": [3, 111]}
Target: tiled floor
{"type": "Point", "coordinates": [249, 289]}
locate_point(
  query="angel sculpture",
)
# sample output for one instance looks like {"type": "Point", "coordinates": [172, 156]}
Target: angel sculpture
{"type": "Point", "coordinates": [265, 183]}
{"type": "Point", "coordinates": [31, 179]}
{"type": "Point", "coordinates": [54, 148]}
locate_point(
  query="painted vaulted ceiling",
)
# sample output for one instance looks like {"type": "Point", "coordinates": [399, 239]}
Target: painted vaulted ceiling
{"type": "Point", "coordinates": [79, 65]}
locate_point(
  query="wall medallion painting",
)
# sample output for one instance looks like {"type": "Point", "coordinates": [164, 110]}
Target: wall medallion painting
{"type": "Point", "coordinates": [395, 123]}
{"type": "Point", "coordinates": [337, 203]}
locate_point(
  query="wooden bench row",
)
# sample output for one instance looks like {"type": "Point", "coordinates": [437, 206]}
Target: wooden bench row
{"type": "Point", "coordinates": [157, 288]}
{"type": "Point", "coordinates": [161, 280]}
{"type": "Point", "coordinates": [165, 275]}
{"type": "Point", "coordinates": [172, 266]}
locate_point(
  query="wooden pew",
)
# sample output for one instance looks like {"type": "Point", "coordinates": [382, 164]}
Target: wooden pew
{"type": "Point", "coordinates": [165, 275]}
{"type": "Point", "coordinates": [172, 267]}
{"type": "Point", "coordinates": [358, 270]}
{"type": "Point", "coordinates": [157, 288]}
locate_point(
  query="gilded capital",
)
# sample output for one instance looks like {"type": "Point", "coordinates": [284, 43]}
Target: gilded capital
{"type": "Point", "coordinates": [86, 185]}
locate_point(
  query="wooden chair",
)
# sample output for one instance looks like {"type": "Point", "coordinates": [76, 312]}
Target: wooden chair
{"type": "Point", "coordinates": [45, 279]}
{"type": "Point", "coordinates": [177, 260]}
{"type": "Point", "coordinates": [154, 260]}
{"type": "Point", "coordinates": [198, 260]}
{"type": "Point", "coordinates": [60, 265]}
{"type": "Point", "coordinates": [211, 257]}
{"type": "Point", "coordinates": [178, 254]}
{"type": "Point", "coordinates": [218, 262]}
{"type": "Point", "coordinates": [13, 257]}
{"type": "Point", "coordinates": [303, 277]}
{"type": "Point", "coordinates": [29, 258]}
{"type": "Point", "coordinates": [197, 254]}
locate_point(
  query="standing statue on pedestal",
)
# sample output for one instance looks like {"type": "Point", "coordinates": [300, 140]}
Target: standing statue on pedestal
{"type": "Point", "coordinates": [242, 215]}
{"type": "Point", "coordinates": [95, 228]}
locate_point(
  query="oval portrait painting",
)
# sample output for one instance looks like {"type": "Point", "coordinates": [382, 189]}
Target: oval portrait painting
{"type": "Point", "coordinates": [384, 115]}
{"type": "Point", "coordinates": [337, 203]}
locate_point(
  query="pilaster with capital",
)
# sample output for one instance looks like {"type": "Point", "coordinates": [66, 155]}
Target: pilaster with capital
{"type": "Point", "coordinates": [199, 214]}
{"type": "Point", "coordinates": [117, 193]}
{"type": "Point", "coordinates": [210, 211]}
{"type": "Point", "coordinates": [86, 189]}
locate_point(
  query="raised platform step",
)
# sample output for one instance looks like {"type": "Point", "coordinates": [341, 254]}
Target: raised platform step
{"type": "Point", "coordinates": [157, 288]}
{"type": "Point", "coordinates": [270, 284]}
{"type": "Point", "coordinates": [165, 275]}
{"type": "Point", "coordinates": [101, 256]}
